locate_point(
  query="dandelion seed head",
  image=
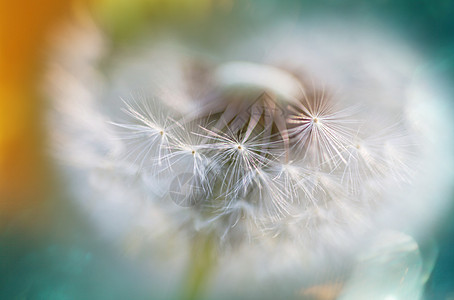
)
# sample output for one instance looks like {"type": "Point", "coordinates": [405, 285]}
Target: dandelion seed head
{"type": "Point", "coordinates": [265, 154]}
{"type": "Point", "coordinates": [317, 161]}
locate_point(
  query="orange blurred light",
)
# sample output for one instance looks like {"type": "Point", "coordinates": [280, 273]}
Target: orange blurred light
{"type": "Point", "coordinates": [23, 27]}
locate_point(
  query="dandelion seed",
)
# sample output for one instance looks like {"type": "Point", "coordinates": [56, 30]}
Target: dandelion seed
{"type": "Point", "coordinates": [377, 157]}
{"type": "Point", "coordinates": [269, 198]}
{"type": "Point", "coordinates": [364, 161]}
{"type": "Point", "coordinates": [146, 143]}
{"type": "Point", "coordinates": [320, 130]}
{"type": "Point", "coordinates": [187, 153]}
{"type": "Point", "coordinates": [294, 181]}
{"type": "Point", "coordinates": [238, 155]}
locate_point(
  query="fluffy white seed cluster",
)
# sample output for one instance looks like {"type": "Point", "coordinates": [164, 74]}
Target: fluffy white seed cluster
{"type": "Point", "coordinates": [254, 153]}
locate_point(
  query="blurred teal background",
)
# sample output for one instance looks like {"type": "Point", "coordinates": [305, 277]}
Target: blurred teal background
{"type": "Point", "coordinates": [65, 259]}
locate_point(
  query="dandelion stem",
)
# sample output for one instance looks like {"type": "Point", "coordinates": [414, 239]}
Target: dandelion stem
{"type": "Point", "coordinates": [203, 261]}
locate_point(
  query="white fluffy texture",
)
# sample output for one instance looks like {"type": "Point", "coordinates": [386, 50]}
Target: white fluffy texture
{"type": "Point", "coordinates": [363, 67]}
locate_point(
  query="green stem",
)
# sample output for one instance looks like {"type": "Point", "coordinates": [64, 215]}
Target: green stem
{"type": "Point", "coordinates": [203, 261]}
